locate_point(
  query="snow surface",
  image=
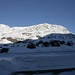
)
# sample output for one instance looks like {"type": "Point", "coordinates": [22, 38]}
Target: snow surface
{"type": "Point", "coordinates": [43, 57]}
{"type": "Point", "coordinates": [35, 34]}
{"type": "Point", "coordinates": [31, 32]}
{"type": "Point", "coordinates": [10, 63]}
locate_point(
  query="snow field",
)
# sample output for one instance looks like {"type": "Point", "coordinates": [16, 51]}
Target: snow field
{"type": "Point", "coordinates": [36, 62]}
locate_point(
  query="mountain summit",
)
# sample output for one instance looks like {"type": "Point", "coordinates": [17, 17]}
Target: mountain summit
{"type": "Point", "coordinates": [51, 28]}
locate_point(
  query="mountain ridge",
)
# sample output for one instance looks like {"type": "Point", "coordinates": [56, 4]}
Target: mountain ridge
{"type": "Point", "coordinates": [44, 25]}
{"type": "Point", "coordinates": [39, 38]}
{"type": "Point", "coordinates": [31, 32]}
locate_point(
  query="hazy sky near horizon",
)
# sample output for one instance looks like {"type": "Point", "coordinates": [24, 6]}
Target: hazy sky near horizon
{"type": "Point", "coordinates": [31, 12]}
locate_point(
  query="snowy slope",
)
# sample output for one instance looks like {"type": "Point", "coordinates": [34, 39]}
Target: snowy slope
{"type": "Point", "coordinates": [39, 47]}
{"type": "Point", "coordinates": [31, 32]}
{"type": "Point", "coordinates": [43, 37]}
{"type": "Point", "coordinates": [10, 63]}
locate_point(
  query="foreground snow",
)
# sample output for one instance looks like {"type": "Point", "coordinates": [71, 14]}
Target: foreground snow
{"type": "Point", "coordinates": [10, 63]}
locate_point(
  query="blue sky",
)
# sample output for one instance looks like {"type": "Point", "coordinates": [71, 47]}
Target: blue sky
{"type": "Point", "coordinates": [31, 12]}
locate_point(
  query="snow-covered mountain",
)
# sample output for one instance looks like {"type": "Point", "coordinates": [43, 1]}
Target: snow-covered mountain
{"type": "Point", "coordinates": [37, 37]}
{"type": "Point", "coordinates": [38, 47]}
{"type": "Point", "coordinates": [31, 32]}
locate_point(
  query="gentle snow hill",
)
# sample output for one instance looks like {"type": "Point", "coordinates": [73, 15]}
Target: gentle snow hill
{"type": "Point", "coordinates": [41, 37]}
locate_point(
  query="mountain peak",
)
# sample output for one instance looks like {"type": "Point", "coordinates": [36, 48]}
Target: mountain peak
{"type": "Point", "coordinates": [51, 28]}
{"type": "Point", "coordinates": [31, 32]}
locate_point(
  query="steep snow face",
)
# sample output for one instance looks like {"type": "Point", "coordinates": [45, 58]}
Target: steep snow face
{"type": "Point", "coordinates": [31, 32]}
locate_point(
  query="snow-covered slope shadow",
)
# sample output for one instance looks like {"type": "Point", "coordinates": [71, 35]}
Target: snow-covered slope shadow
{"type": "Point", "coordinates": [33, 55]}
{"type": "Point", "coordinates": [51, 42]}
